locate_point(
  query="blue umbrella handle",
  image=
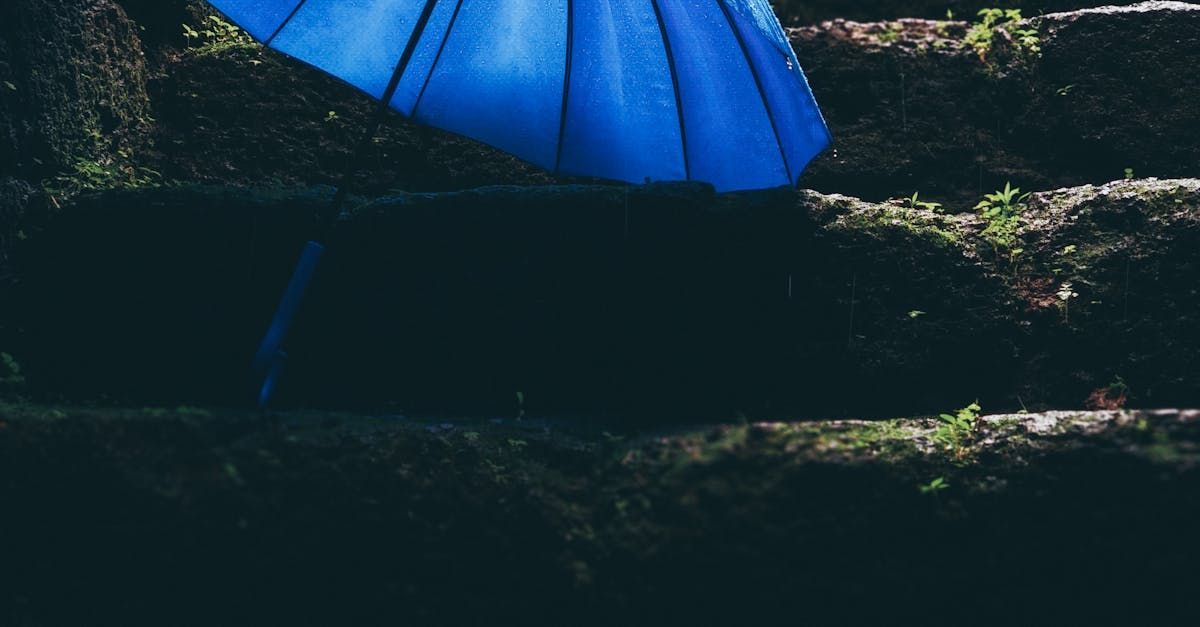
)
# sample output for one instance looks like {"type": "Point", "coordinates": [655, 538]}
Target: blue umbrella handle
{"type": "Point", "coordinates": [268, 361]}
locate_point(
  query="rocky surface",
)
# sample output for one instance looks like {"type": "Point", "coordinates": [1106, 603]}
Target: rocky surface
{"type": "Point", "coordinates": [72, 90]}
{"type": "Point", "coordinates": [15, 195]}
{"type": "Point", "coordinates": [264, 117]}
{"type": "Point", "coordinates": [912, 107]}
{"type": "Point", "coordinates": [261, 117]}
{"type": "Point", "coordinates": [814, 11]}
{"type": "Point", "coordinates": [664, 300]}
{"type": "Point", "coordinates": [328, 519]}
{"type": "Point", "coordinates": [162, 20]}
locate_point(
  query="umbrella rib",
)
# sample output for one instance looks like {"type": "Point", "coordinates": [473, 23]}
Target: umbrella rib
{"type": "Point", "coordinates": [436, 59]}
{"type": "Point", "coordinates": [409, 49]}
{"type": "Point", "coordinates": [275, 34]}
{"type": "Point", "coordinates": [343, 189]}
{"type": "Point", "coordinates": [562, 122]}
{"type": "Point", "coordinates": [737, 34]}
{"type": "Point", "coordinates": [662, 27]}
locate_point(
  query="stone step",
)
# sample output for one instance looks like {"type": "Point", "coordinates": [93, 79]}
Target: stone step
{"type": "Point", "coordinates": [664, 299]}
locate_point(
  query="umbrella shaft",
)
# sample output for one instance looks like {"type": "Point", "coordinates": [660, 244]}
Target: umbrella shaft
{"type": "Point", "coordinates": [337, 212]}
{"type": "Point", "coordinates": [269, 359]}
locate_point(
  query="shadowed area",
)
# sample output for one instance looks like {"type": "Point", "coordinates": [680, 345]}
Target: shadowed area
{"type": "Point", "coordinates": [200, 517]}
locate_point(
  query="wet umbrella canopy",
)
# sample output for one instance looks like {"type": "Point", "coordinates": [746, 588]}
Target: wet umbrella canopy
{"type": "Point", "coordinates": [630, 90]}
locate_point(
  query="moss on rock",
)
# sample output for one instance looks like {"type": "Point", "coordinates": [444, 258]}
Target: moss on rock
{"type": "Point", "coordinates": [813, 11]}
{"type": "Point", "coordinates": [912, 108]}
{"type": "Point", "coordinates": [257, 117]}
{"type": "Point", "coordinates": [392, 517]}
{"type": "Point", "coordinates": [75, 90]}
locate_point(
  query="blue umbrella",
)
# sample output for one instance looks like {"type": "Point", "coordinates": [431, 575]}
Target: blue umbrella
{"type": "Point", "coordinates": [628, 90]}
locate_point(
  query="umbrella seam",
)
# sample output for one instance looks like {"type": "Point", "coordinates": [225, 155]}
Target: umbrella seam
{"type": "Point", "coordinates": [410, 49]}
{"type": "Point", "coordinates": [284, 23]}
{"type": "Point", "coordinates": [759, 86]}
{"type": "Point", "coordinates": [562, 123]}
{"type": "Point", "coordinates": [662, 27]}
{"type": "Point", "coordinates": [436, 59]}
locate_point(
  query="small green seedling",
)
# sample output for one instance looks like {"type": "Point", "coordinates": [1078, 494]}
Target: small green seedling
{"type": "Point", "coordinates": [1065, 293]}
{"type": "Point", "coordinates": [1002, 211]}
{"type": "Point", "coordinates": [1002, 201]}
{"type": "Point", "coordinates": [982, 35]}
{"type": "Point", "coordinates": [915, 202]}
{"type": "Point", "coordinates": [935, 486]}
{"type": "Point", "coordinates": [216, 35]}
{"type": "Point", "coordinates": [954, 429]}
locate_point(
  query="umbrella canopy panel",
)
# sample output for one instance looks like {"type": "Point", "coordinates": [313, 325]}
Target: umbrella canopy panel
{"type": "Point", "coordinates": [630, 90]}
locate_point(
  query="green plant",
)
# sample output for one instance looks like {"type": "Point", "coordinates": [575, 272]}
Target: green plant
{"type": "Point", "coordinates": [954, 429]}
{"type": "Point", "coordinates": [1004, 201]}
{"type": "Point", "coordinates": [1113, 396]}
{"type": "Point", "coordinates": [1002, 211]}
{"type": "Point", "coordinates": [216, 35]}
{"type": "Point", "coordinates": [1007, 23]}
{"type": "Point", "coordinates": [891, 32]}
{"type": "Point", "coordinates": [1128, 174]}
{"type": "Point", "coordinates": [915, 202]}
{"type": "Point", "coordinates": [1065, 293]}
{"type": "Point", "coordinates": [1027, 39]}
{"type": "Point", "coordinates": [1014, 255]}
{"type": "Point", "coordinates": [520, 405]}
{"type": "Point", "coordinates": [1118, 385]}
{"type": "Point", "coordinates": [189, 34]}
{"type": "Point", "coordinates": [935, 486]}
{"type": "Point", "coordinates": [10, 372]}
{"type": "Point", "coordinates": [89, 176]}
